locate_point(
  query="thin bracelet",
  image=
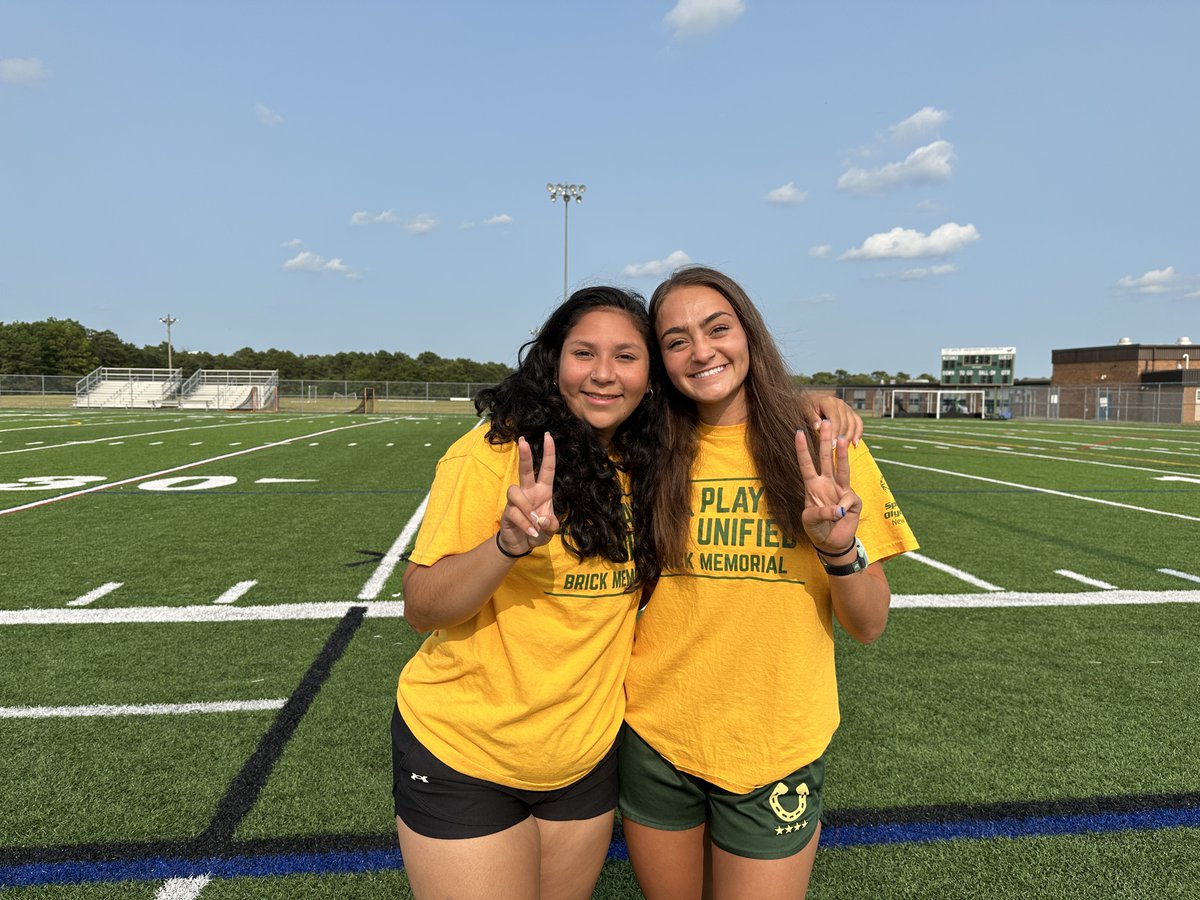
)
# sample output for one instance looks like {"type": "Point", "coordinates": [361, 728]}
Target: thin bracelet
{"type": "Point", "coordinates": [500, 547]}
{"type": "Point", "coordinates": [829, 553]}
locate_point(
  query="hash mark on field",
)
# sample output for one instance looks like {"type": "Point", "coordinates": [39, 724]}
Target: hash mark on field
{"type": "Point", "coordinates": [1021, 598]}
{"type": "Point", "coordinates": [1083, 579]}
{"type": "Point", "coordinates": [950, 570]}
{"type": "Point", "coordinates": [196, 443]}
{"type": "Point", "coordinates": [1185, 575]}
{"type": "Point", "coordinates": [236, 592]}
{"type": "Point", "coordinates": [96, 594]}
{"type": "Point", "coordinates": [182, 888]}
{"type": "Point", "coordinates": [139, 709]}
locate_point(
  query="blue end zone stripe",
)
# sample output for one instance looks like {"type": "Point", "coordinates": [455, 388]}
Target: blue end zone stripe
{"type": "Point", "coordinates": [983, 829]}
{"type": "Point", "coordinates": [361, 861]}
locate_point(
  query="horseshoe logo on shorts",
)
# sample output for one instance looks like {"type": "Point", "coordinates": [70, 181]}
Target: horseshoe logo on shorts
{"type": "Point", "coordinates": [785, 814]}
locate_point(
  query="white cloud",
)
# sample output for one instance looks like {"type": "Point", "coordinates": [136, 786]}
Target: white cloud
{"type": "Point", "coordinates": [921, 122]}
{"type": "Point", "coordinates": [657, 267]}
{"type": "Point", "coordinates": [787, 195]}
{"type": "Point", "coordinates": [502, 219]}
{"type": "Point", "coordinates": [267, 116]}
{"type": "Point", "coordinates": [294, 242]}
{"type": "Point", "coordinates": [926, 272]}
{"type": "Point", "coordinates": [1156, 281]}
{"type": "Point", "coordinates": [362, 217]}
{"type": "Point", "coordinates": [307, 261]}
{"type": "Point", "coordinates": [820, 251]}
{"type": "Point", "coordinates": [907, 243]}
{"type": "Point", "coordinates": [17, 70]}
{"type": "Point", "coordinates": [422, 224]}
{"type": "Point", "coordinates": [930, 163]}
{"type": "Point", "coordinates": [689, 17]}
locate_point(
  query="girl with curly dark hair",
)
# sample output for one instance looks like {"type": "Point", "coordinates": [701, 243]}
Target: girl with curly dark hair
{"type": "Point", "coordinates": [527, 570]}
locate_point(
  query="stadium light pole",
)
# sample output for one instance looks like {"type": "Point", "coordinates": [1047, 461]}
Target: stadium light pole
{"type": "Point", "coordinates": [567, 192]}
{"type": "Point", "coordinates": [168, 320]}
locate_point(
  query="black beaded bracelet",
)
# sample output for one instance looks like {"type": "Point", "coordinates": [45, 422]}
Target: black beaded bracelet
{"type": "Point", "coordinates": [500, 547]}
{"type": "Point", "coordinates": [832, 553]}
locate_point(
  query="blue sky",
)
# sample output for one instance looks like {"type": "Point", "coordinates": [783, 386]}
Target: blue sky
{"type": "Point", "coordinates": [885, 179]}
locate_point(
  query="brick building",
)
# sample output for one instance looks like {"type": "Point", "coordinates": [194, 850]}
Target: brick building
{"type": "Point", "coordinates": [1088, 379]}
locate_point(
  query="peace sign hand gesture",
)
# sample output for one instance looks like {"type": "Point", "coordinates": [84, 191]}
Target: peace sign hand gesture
{"type": "Point", "coordinates": [528, 519]}
{"type": "Point", "coordinates": [831, 508]}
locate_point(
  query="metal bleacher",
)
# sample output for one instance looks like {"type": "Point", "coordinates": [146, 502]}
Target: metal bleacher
{"type": "Point", "coordinates": [117, 388]}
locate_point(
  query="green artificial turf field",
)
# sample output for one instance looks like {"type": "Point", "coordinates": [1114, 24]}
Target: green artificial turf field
{"type": "Point", "coordinates": [200, 628]}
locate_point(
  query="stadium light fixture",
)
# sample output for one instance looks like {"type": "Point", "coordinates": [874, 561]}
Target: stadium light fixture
{"type": "Point", "coordinates": [567, 193]}
{"type": "Point", "coordinates": [168, 320]}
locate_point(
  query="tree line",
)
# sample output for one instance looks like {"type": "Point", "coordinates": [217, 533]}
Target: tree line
{"type": "Point", "coordinates": [65, 347]}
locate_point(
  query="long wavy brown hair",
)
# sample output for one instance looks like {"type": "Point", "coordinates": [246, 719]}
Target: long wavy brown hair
{"type": "Point", "coordinates": [777, 409]}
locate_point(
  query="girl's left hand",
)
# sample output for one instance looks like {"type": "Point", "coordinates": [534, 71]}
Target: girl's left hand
{"type": "Point", "coordinates": [831, 508]}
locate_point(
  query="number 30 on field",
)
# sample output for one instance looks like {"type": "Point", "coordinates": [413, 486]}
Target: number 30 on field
{"type": "Point", "coordinates": [67, 482]}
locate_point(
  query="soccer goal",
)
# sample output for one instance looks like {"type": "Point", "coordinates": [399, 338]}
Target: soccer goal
{"type": "Point", "coordinates": [936, 403]}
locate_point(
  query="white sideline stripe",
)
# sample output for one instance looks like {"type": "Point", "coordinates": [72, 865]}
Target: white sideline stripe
{"type": "Point", "coordinates": [183, 888]}
{"type": "Point", "coordinates": [96, 594]}
{"type": "Point", "coordinates": [1185, 575]}
{"type": "Point", "coordinates": [209, 612]}
{"type": "Point", "coordinates": [236, 592]}
{"type": "Point", "coordinates": [1040, 490]}
{"type": "Point", "coordinates": [957, 573]}
{"type": "Point", "coordinates": [191, 465]}
{"type": "Point", "coordinates": [388, 564]}
{"type": "Point", "coordinates": [1083, 579]}
{"type": "Point", "coordinates": [1017, 598]}
{"type": "Point", "coordinates": [138, 709]}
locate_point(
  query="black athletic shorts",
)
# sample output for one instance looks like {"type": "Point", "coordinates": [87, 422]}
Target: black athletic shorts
{"type": "Point", "coordinates": [435, 800]}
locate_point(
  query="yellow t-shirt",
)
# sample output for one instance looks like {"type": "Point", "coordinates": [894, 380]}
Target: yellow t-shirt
{"type": "Point", "coordinates": [732, 676]}
{"type": "Point", "coordinates": [527, 693]}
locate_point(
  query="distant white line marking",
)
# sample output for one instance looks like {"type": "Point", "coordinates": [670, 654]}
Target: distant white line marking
{"type": "Point", "coordinates": [183, 888]}
{"type": "Point", "coordinates": [138, 709]}
{"type": "Point", "coordinates": [386, 565]}
{"type": "Point", "coordinates": [1040, 490]}
{"type": "Point", "coordinates": [155, 443]}
{"type": "Point", "coordinates": [116, 444]}
{"type": "Point", "coordinates": [236, 592]}
{"type": "Point", "coordinates": [96, 594]}
{"type": "Point", "coordinates": [950, 570]}
{"type": "Point", "coordinates": [1185, 575]}
{"type": "Point", "coordinates": [1083, 579]}
{"type": "Point", "coordinates": [1016, 598]}
{"type": "Point", "coordinates": [209, 612]}
{"type": "Point", "coordinates": [196, 443]}
{"type": "Point", "coordinates": [1177, 478]}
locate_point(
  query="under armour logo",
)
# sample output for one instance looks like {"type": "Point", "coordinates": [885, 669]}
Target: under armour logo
{"type": "Point", "coordinates": [416, 777]}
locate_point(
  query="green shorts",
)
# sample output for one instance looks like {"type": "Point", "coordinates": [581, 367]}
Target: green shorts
{"type": "Point", "coordinates": [772, 822]}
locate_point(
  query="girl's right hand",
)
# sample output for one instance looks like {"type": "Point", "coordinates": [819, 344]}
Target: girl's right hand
{"type": "Point", "coordinates": [528, 519]}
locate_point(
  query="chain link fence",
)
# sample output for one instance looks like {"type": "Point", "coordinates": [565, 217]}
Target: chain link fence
{"type": "Point", "coordinates": [1154, 403]}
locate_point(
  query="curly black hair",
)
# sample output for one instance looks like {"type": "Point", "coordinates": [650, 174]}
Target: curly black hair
{"type": "Point", "coordinates": [587, 492]}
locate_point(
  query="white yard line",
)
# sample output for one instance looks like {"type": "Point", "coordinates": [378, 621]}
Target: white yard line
{"type": "Point", "coordinates": [139, 709]}
{"type": "Point", "coordinates": [388, 564]}
{"type": "Point", "coordinates": [191, 465]}
{"type": "Point", "coordinates": [1187, 576]}
{"type": "Point", "coordinates": [1015, 598]}
{"type": "Point", "coordinates": [391, 559]}
{"type": "Point", "coordinates": [182, 888]}
{"type": "Point", "coordinates": [95, 594]}
{"type": "Point", "coordinates": [1083, 579]}
{"type": "Point", "coordinates": [1042, 456]}
{"type": "Point", "coordinates": [950, 570]}
{"type": "Point", "coordinates": [1040, 490]}
{"type": "Point", "coordinates": [209, 612]}
{"type": "Point", "coordinates": [236, 592]}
